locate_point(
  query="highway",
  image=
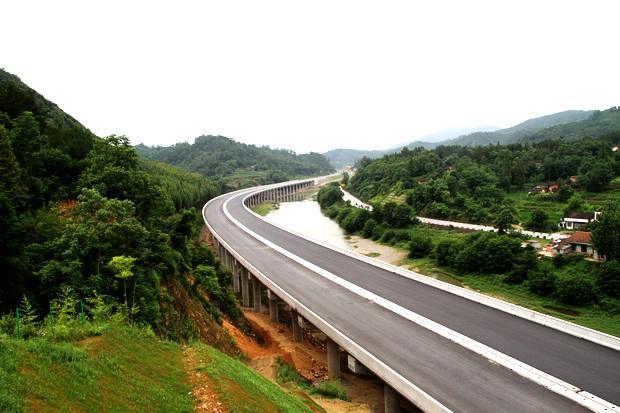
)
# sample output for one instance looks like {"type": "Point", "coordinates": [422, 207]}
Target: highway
{"type": "Point", "coordinates": [457, 378]}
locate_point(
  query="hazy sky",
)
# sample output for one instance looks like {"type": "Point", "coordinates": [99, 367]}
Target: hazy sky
{"type": "Point", "coordinates": [312, 75]}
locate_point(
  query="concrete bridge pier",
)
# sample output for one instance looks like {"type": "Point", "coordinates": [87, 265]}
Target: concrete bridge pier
{"type": "Point", "coordinates": [235, 277]}
{"type": "Point", "coordinates": [256, 293]}
{"type": "Point", "coordinates": [298, 331]}
{"type": "Point", "coordinates": [391, 399]}
{"type": "Point", "coordinates": [245, 288]}
{"type": "Point", "coordinates": [333, 359]}
{"type": "Point", "coordinates": [274, 314]}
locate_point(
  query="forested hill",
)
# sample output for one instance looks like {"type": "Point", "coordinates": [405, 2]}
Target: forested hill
{"type": "Point", "coordinates": [470, 183]}
{"type": "Point", "coordinates": [568, 125]}
{"type": "Point", "coordinates": [82, 217]}
{"type": "Point", "coordinates": [237, 164]}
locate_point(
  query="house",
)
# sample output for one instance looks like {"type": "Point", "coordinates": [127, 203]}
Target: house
{"type": "Point", "coordinates": [553, 188]}
{"type": "Point", "coordinates": [578, 243]}
{"type": "Point", "coordinates": [578, 220]}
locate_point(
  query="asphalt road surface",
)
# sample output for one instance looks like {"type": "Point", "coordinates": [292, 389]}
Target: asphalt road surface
{"type": "Point", "coordinates": [458, 378]}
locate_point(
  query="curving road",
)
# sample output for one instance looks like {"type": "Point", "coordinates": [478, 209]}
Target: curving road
{"type": "Point", "coordinates": [455, 377]}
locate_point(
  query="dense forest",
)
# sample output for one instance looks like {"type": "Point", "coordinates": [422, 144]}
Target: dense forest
{"type": "Point", "coordinates": [236, 164]}
{"type": "Point", "coordinates": [85, 219]}
{"type": "Point", "coordinates": [470, 183]}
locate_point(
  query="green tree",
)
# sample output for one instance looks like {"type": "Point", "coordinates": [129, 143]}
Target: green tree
{"type": "Point", "coordinates": [597, 175]}
{"type": "Point", "coordinates": [10, 172]}
{"type": "Point", "coordinates": [345, 178]}
{"type": "Point", "coordinates": [539, 221]}
{"type": "Point", "coordinates": [606, 232]}
{"type": "Point", "coordinates": [123, 269]}
{"type": "Point", "coordinates": [329, 195]}
{"type": "Point", "coordinates": [504, 220]}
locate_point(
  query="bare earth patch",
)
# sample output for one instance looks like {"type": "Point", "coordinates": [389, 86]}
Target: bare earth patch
{"type": "Point", "coordinates": [206, 399]}
{"type": "Point", "coordinates": [370, 248]}
{"type": "Point", "coordinates": [309, 358]}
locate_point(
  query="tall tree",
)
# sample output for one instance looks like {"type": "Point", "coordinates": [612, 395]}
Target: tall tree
{"type": "Point", "coordinates": [606, 232]}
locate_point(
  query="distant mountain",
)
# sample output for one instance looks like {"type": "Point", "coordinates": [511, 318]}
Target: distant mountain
{"type": "Point", "coordinates": [515, 133]}
{"type": "Point", "coordinates": [236, 164]}
{"type": "Point", "coordinates": [570, 124]}
{"type": "Point", "coordinates": [342, 158]}
{"type": "Point", "coordinates": [600, 124]}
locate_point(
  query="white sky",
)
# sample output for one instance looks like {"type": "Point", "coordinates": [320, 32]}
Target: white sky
{"type": "Point", "coordinates": [312, 75]}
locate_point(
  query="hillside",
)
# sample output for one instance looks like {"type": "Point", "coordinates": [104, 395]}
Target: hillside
{"type": "Point", "coordinates": [237, 164]}
{"type": "Point", "coordinates": [120, 368]}
{"type": "Point", "coordinates": [570, 124]}
{"type": "Point", "coordinates": [469, 183]}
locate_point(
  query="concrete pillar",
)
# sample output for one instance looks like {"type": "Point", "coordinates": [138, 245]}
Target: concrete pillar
{"type": "Point", "coordinates": [391, 399]}
{"type": "Point", "coordinates": [235, 277]}
{"type": "Point", "coordinates": [333, 359]}
{"type": "Point", "coordinates": [298, 332]}
{"type": "Point", "coordinates": [245, 288]}
{"type": "Point", "coordinates": [256, 290]}
{"type": "Point", "coordinates": [274, 315]}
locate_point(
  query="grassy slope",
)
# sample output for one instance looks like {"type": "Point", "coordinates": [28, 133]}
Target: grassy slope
{"type": "Point", "coordinates": [123, 370]}
{"type": "Point", "coordinates": [248, 391]}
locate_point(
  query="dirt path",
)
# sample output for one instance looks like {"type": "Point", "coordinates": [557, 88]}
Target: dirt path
{"type": "Point", "coordinates": [308, 358]}
{"type": "Point", "coordinates": [206, 400]}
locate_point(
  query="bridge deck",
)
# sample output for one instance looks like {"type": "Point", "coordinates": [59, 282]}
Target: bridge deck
{"type": "Point", "coordinates": [458, 378]}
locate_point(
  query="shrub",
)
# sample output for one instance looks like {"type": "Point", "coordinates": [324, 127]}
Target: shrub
{"type": "Point", "coordinates": [388, 236]}
{"type": "Point", "coordinates": [377, 232]}
{"type": "Point", "coordinates": [331, 388]}
{"type": "Point", "coordinates": [420, 246]}
{"type": "Point", "coordinates": [610, 306]}
{"type": "Point", "coordinates": [575, 290]}
{"type": "Point", "coordinates": [542, 281]}
{"type": "Point", "coordinates": [355, 220]}
{"type": "Point", "coordinates": [446, 251]}
{"type": "Point", "coordinates": [608, 278]}
{"type": "Point", "coordinates": [402, 236]}
{"type": "Point", "coordinates": [369, 228]}
{"type": "Point", "coordinates": [287, 374]}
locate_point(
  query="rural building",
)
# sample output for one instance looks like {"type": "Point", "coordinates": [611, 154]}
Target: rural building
{"type": "Point", "coordinates": [578, 243]}
{"type": "Point", "coordinates": [578, 220]}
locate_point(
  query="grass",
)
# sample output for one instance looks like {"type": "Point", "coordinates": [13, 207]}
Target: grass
{"type": "Point", "coordinates": [249, 391]}
{"type": "Point", "coordinates": [332, 389]}
{"type": "Point", "coordinates": [287, 374]}
{"type": "Point", "coordinates": [264, 208]}
{"type": "Point", "coordinates": [125, 369]}
{"type": "Point", "coordinates": [128, 369]}
{"type": "Point", "coordinates": [492, 285]}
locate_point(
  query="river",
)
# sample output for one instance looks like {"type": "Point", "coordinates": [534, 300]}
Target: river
{"type": "Point", "coordinates": [305, 217]}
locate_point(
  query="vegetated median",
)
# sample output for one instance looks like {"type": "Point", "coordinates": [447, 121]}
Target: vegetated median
{"type": "Point", "coordinates": [568, 287]}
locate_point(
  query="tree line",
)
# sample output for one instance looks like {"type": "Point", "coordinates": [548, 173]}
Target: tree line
{"type": "Point", "coordinates": [469, 183]}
